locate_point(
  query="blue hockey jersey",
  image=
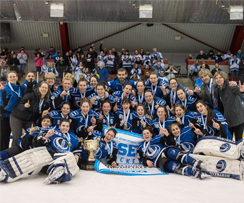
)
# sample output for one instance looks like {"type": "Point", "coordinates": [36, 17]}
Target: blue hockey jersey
{"type": "Point", "coordinates": [118, 95]}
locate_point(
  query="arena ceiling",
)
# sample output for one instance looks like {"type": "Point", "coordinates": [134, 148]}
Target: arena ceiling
{"type": "Point", "coordinates": [166, 11]}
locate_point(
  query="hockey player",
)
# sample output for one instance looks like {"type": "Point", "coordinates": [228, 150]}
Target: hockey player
{"type": "Point", "coordinates": [110, 119]}
{"type": "Point", "coordinates": [107, 149]}
{"type": "Point", "coordinates": [126, 115]}
{"type": "Point", "coordinates": [99, 96]}
{"type": "Point", "coordinates": [140, 93]}
{"type": "Point", "coordinates": [210, 122]}
{"type": "Point", "coordinates": [86, 120]}
{"type": "Point", "coordinates": [153, 153]}
{"type": "Point", "coordinates": [152, 103]}
{"type": "Point", "coordinates": [56, 141]}
{"type": "Point", "coordinates": [82, 90]}
{"type": "Point", "coordinates": [183, 116]}
{"type": "Point", "coordinates": [186, 100]}
{"type": "Point", "coordinates": [162, 122]}
{"type": "Point", "coordinates": [30, 77]}
{"type": "Point", "coordinates": [119, 95]}
{"type": "Point", "coordinates": [118, 83]}
{"type": "Point", "coordinates": [155, 85]}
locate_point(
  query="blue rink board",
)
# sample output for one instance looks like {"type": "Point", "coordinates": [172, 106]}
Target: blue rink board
{"type": "Point", "coordinates": [146, 171]}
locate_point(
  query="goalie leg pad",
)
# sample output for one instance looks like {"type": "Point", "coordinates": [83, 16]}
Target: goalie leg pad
{"type": "Point", "coordinates": [220, 147]}
{"type": "Point", "coordinates": [25, 164]}
{"type": "Point", "coordinates": [221, 167]}
{"type": "Point", "coordinates": [68, 162]}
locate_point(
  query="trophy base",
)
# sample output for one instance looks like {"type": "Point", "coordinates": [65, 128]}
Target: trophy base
{"type": "Point", "coordinates": [89, 165]}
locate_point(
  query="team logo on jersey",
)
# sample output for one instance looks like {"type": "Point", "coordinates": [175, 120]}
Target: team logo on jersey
{"type": "Point", "coordinates": [221, 165]}
{"type": "Point", "coordinates": [187, 147]}
{"type": "Point", "coordinates": [220, 117]}
{"type": "Point", "coordinates": [61, 144]}
{"type": "Point", "coordinates": [225, 147]}
{"type": "Point", "coordinates": [153, 151]}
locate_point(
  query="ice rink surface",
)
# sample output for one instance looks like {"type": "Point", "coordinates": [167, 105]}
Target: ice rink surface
{"type": "Point", "coordinates": [94, 187]}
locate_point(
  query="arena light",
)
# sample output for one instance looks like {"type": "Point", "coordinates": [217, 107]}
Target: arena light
{"type": "Point", "coordinates": [17, 13]}
{"type": "Point", "coordinates": [57, 10]}
{"type": "Point", "coordinates": [236, 12]}
{"type": "Point", "coordinates": [145, 11]}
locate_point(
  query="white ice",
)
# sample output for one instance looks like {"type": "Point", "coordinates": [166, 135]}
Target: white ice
{"type": "Point", "coordinates": [94, 187]}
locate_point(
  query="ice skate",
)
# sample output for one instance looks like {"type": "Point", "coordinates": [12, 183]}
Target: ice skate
{"type": "Point", "coordinates": [2, 175]}
{"type": "Point", "coordinates": [198, 165]}
{"type": "Point", "coordinates": [201, 175]}
{"type": "Point", "coordinates": [54, 175]}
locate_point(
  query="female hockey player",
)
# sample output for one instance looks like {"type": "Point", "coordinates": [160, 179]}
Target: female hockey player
{"type": "Point", "coordinates": [99, 96]}
{"type": "Point", "coordinates": [29, 78]}
{"type": "Point", "coordinates": [140, 93]}
{"type": "Point", "coordinates": [110, 119]}
{"type": "Point", "coordinates": [87, 120]}
{"type": "Point", "coordinates": [126, 115]}
{"type": "Point", "coordinates": [186, 100]}
{"type": "Point", "coordinates": [82, 90]}
{"type": "Point", "coordinates": [126, 93]}
{"type": "Point", "coordinates": [153, 153]}
{"type": "Point", "coordinates": [107, 149]}
{"type": "Point", "coordinates": [152, 103]}
{"type": "Point", "coordinates": [183, 116]}
{"type": "Point", "coordinates": [210, 122]}
{"type": "Point", "coordinates": [10, 96]}
{"type": "Point", "coordinates": [57, 142]}
{"type": "Point", "coordinates": [162, 122]}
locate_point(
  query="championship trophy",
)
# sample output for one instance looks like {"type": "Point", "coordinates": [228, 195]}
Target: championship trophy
{"type": "Point", "coordinates": [90, 146]}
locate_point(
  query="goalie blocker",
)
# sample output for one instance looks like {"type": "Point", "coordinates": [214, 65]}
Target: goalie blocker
{"type": "Point", "coordinates": [220, 147]}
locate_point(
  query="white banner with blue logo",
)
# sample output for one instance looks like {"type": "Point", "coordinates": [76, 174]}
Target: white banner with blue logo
{"type": "Point", "coordinates": [129, 164]}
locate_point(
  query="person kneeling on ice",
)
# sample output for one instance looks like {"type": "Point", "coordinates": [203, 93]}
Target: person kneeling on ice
{"type": "Point", "coordinates": [107, 149]}
{"type": "Point", "coordinates": [170, 159]}
{"type": "Point", "coordinates": [49, 143]}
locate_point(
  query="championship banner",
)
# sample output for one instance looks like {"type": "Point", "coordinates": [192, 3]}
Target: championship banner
{"type": "Point", "coordinates": [129, 164]}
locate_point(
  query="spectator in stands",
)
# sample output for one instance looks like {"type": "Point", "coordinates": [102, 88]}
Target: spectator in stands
{"type": "Point", "coordinates": [147, 75]}
{"type": "Point", "coordinates": [142, 52]}
{"type": "Point", "coordinates": [161, 75]}
{"type": "Point", "coordinates": [227, 56]}
{"type": "Point", "coordinates": [4, 70]}
{"type": "Point", "coordinates": [239, 55]}
{"type": "Point", "coordinates": [201, 55]}
{"type": "Point", "coordinates": [218, 57]}
{"type": "Point", "coordinates": [90, 56]}
{"type": "Point", "coordinates": [241, 71]}
{"type": "Point", "coordinates": [118, 61]}
{"type": "Point", "coordinates": [127, 61]}
{"type": "Point", "coordinates": [62, 67]}
{"type": "Point", "coordinates": [114, 52]}
{"type": "Point", "coordinates": [101, 48]}
{"type": "Point", "coordinates": [51, 51]}
{"type": "Point", "coordinates": [22, 60]}
{"type": "Point", "coordinates": [190, 57]}
{"type": "Point", "coordinates": [38, 62]}
{"type": "Point", "coordinates": [234, 66]}
{"type": "Point", "coordinates": [66, 57]}
{"type": "Point", "coordinates": [123, 51]}
{"type": "Point", "coordinates": [211, 55]}
{"type": "Point", "coordinates": [103, 73]}
{"type": "Point", "coordinates": [23, 48]}
{"type": "Point", "coordinates": [171, 72]}
{"type": "Point", "coordinates": [216, 69]}
{"type": "Point", "coordinates": [38, 50]}
{"type": "Point", "coordinates": [229, 103]}
{"type": "Point", "coordinates": [4, 52]}
{"type": "Point", "coordinates": [136, 70]}
{"type": "Point", "coordinates": [204, 65]}
{"type": "Point", "coordinates": [79, 50]}
{"type": "Point", "coordinates": [147, 59]}
{"type": "Point", "coordinates": [110, 62]}
{"type": "Point", "coordinates": [13, 63]}
{"type": "Point", "coordinates": [101, 58]}
{"type": "Point", "coordinates": [195, 68]}
{"type": "Point", "coordinates": [158, 68]}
